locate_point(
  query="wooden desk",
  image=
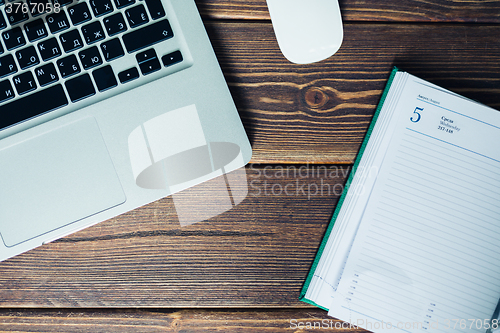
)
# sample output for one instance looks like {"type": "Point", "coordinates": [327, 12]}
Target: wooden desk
{"type": "Point", "coordinates": [243, 270]}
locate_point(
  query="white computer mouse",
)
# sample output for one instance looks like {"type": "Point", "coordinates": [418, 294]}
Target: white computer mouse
{"type": "Point", "coordinates": [307, 30]}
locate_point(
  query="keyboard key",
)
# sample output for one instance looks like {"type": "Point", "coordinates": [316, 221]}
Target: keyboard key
{"type": "Point", "coordinates": [80, 87]}
{"type": "Point", "coordinates": [71, 40]}
{"type": "Point", "coordinates": [123, 3]}
{"type": "Point", "coordinates": [104, 78]}
{"type": "Point", "coordinates": [49, 49]}
{"type": "Point", "coordinates": [101, 7]}
{"type": "Point", "coordinates": [13, 38]}
{"type": "Point", "coordinates": [79, 13]}
{"type": "Point", "coordinates": [136, 16]}
{"type": "Point", "coordinates": [16, 12]}
{"type": "Point", "coordinates": [148, 61]}
{"type": "Point", "coordinates": [32, 105]}
{"type": "Point", "coordinates": [115, 24]}
{"type": "Point", "coordinates": [35, 30]}
{"type": "Point", "coordinates": [3, 24]}
{"type": "Point", "coordinates": [24, 82]}
{"type": "Point", "coordinates": [155, 9]}
{"type": "Point", "coordinates": [145, 55]}
{"type": "Point", "coordinates": [93, 32]}
{"type": "Point", "coordinates": [90, 57]}
{"type": "Point", "coordinates": [27, 57]}
{"type": "Point", "coordinates": [112, 49]}
{"type": "Point", "coordinates": [128, 75]}
{"type": "Point", "coordinates": [46, 74]}
{"type": "Point", "coordinates": [68, 66]}
{"type": "Point", "coordinates": [171, 58]}
{"type": "Point", "coordinates": [150, 66]}
{"type": "Point", "coordinates": [6, 93]}
{"type": "Point", "coordinates": [147, 36]}
{"type": "Point", "coordinates": [7, 65]}
{"type": "Point", "coordinates": [57, 22]}
{"type": "Point", "coordinates": [62, 2]}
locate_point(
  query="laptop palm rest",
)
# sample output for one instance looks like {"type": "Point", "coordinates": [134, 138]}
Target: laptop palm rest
{"type": "Point", "coordinates": [56, 178]}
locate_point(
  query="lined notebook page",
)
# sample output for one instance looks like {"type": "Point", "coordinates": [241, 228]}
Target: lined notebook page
{"type": "Point", "coordinates": [328, 272]}
{"type": "Point", "coordinates": [426, 253]}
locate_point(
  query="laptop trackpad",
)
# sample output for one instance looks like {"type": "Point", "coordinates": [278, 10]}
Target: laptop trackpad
{"type": "Point", "coordinates": [55, 179]}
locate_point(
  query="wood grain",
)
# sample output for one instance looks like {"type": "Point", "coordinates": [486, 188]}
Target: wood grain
{"type": "Point", "coordinates": [255, 255]}
{"type": "Point", "coordinates": [319, 113]}
{"type": "Point", "coordinates": [364, 10]}
{"type": "Point", "coordinates": [194, 321]}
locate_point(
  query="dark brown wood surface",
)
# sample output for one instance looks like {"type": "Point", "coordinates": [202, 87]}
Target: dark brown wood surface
{"type": "Point", "coordinates": [255, 255]}
{"type": "Point", "coordinates": [366, 10]}
{"type": "Point", "coordinates": [319, 113]}
{"type": "Point", "coordinates": [195, 321]}
{"type": "Point", "coordinates": [242, 271]}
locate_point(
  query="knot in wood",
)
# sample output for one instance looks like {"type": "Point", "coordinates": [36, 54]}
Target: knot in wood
{"type": "Point", "coordinates": [315, 98]}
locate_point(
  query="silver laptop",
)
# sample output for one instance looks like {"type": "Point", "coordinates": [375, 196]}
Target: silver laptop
{"type": "Point", "coordinates": [105, 105]}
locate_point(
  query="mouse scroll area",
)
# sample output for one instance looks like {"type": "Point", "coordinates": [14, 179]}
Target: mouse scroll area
{"type": "Point", "coordinates": [307, 31]}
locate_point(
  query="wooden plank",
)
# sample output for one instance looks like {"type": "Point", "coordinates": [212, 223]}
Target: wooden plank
{"type": "Point", "coordinates": [238, 9]}
{"type": "Point", "coordinates": [319, 113]}
{"type": "Point", "coordinates": [365, 10]}
{"type": "Point", "coordinates": [255, 255]}
{"type": "Point", "coordinates": [193, 321]}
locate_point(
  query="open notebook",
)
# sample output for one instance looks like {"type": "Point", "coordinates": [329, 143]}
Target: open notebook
{"type": "Point", "coordinates": [413, 245]}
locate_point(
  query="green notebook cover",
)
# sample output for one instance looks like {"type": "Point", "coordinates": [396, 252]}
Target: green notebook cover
{"type": "Point", "coordinates": [347, 185]}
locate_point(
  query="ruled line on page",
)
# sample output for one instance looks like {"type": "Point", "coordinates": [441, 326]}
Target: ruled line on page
{"type": "Point", "coordinates": [445, 152]}
{"type": "Point", "coordinates": [450, 232]}
{"type": "Point", "coordinates": [432, 236]}
{"type": "Point", "coordinates": [482, 155]}
{"type": "Point", "coordinates": [422, 163]}
{"type": "Point", "coordinates": [419, 290]}
{"type": "Point", "coordinates": [366, 303]}
{"type": "Point", "coordinates": [459, 221]}
{"type": "Point", "coordinates": [385, 281]}
{"type": "Point", "coordinates": [431, 251]}
{"type": "Point", "coordinates": [384, 304]}
{"type": "Point", "coordinates": [375, 307]}
{"type": "Point", "coordinates": [368, 300]}
{"type": "Point", "coordinates": [453, 167]}
{"type": "Point", "coordinates": [377, 319]}
{"type": "Point", "coordinates": [397, 198]}
{"type": "Point", "coordinates": [437, 179]}
{"type": "Point", "coordinates": [452, 200]}
{"type": "Point", "coordinates": [450, 262]}
{"type": "Point", "coordinates": [405, 264]}
{"type": "Point", "coordinates": [421, 143]}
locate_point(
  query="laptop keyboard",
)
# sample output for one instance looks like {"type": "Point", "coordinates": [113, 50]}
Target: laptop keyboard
{"type": "Point", "coordinates": [68, 54]}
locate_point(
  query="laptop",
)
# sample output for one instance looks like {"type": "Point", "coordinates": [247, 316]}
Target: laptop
{"type": "Point", "coordinates": [105, 106]}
